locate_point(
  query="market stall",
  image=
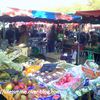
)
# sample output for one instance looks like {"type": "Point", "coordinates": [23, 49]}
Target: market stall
{"type": "Point", "coordinates": [40, 79]}
{"type": "Point", "coordinates": [27, 78]}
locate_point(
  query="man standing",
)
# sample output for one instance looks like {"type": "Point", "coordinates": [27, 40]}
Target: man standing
{"type": "Point", "coordinates": [16, 33]}
{"type": "Point", "coordinates": [10, 34]}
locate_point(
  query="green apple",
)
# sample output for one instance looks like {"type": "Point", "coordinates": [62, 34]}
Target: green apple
{"type": "Point", "coordinates": [9, 87]}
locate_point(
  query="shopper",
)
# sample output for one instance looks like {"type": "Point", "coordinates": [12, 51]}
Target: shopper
{"type": "Point", "coordinates": [10, 34]}
{"type": "Point", "coordinates": [82, 40]}
{"type": "Point", "coordinates": [24, 34]}
{"type": "Point", "coordinates": [2, 33]}
{"type": "Point", "coordinates": [17, 33]}
{"type": "Point", "coordinates": [52, 36]}
{"type": "Point", "coordinates": [94, 38]}
{"type": "Point", "coordinates": [34, 32]}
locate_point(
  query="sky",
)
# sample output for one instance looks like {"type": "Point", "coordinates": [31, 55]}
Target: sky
{"type": "Point", "coordinates": [40, 4]}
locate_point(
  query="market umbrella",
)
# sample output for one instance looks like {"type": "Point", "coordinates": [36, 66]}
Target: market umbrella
{"type": "Point", "coordinates": [22, 18]}
{"type": "Point", "coordinates": [6, 18]}
{"type": "Point", "coordinates": [92, 13]}
{"type": "Point", "coordinates": [92, 16]}
{"type": "Point", "coordinates": [45, 20]}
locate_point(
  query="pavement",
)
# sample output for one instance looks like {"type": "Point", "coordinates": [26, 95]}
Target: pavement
{"type": "Point", "coordinates": [54, 57]}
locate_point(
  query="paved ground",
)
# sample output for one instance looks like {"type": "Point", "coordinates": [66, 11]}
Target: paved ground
{"type": "Point", "coordinates": [53, 57]}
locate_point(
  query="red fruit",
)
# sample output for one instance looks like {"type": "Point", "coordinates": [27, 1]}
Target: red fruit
{"type": "Point", "coordinates": [16, 87]}
{"type": "Point", "coordinates": [70, 79]}
{"type": "Point", "coordinates": [63, 80]}
{"type": "Point", "coordinates": [21, 85]}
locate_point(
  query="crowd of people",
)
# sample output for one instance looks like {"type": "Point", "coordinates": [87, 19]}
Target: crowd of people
{"type": "Point", "coordinates": [54, 34]}
{"type": "Point", "coordinates": [59, 38]}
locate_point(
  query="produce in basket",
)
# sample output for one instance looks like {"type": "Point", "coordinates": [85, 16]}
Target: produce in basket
{"type": "Point", "coordinates": [67, 81]}
{"type": "Point", "coordinates": [27, 89]}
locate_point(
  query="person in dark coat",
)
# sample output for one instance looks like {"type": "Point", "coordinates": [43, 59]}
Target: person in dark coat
{"type": "Point", "coordinates": [10, 34]}
{"type": "Point", "coordinates": [1, 33]}
{"type": "Point", "coordinates": [34, 32]}
{"type": "Point", "coordinates": [17, 33]}
{"type": "Point", "coordinates": [94, 38]}
{"type": "Point", "coordinates": [51, 39]}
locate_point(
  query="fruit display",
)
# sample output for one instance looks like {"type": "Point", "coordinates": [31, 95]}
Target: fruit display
{"type": "Point", "coordinates": [28, 89]}
{"type": "Point", "coordinates": [6, 63]}
{"type": "Point", "coordinates": [4, 76]}
{"type": "Point", "coordinates": [31, 69]}
{"type": "Point", "coordinates": [67, 81]}
{"type": "Point", "coordinates": [7, 75]}
{"type": "Point", "coordinates": [47, 77]}
{"type": "Point", "coordinates": [34, 79]}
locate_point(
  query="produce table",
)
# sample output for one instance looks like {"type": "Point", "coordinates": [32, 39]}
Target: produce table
{"type": "Point", "coordinates": [59, 80]}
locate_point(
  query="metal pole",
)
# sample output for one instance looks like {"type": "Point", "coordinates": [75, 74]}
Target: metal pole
{"type": "Point", "coordinates": [3, 30]}
{"type": "Point", "coordinates": [78, 51]}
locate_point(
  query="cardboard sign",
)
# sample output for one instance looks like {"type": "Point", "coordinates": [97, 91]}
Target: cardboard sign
{"type": "Point", "coordinates": [98, 73]}
{"type": "Point", "coordinates": [89, 72]}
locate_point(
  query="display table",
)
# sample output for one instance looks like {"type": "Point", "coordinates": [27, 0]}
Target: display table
{"type": "Point", "coordinates": [60, 80]}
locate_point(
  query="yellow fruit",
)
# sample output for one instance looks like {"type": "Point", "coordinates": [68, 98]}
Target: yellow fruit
{"type": "Point", "coordinates": [32, 69]}
{"type": "Point", "coordinates": [9, 87]}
